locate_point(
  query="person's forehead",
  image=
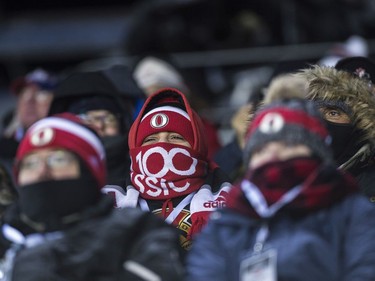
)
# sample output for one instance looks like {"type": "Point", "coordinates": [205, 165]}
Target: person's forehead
{"type": "Point", "coordinates": [47, 151]}
{"type": "Point", "coordinates": [34, 91]}
{"type": "Point", "coordinates": [99, 112]}
{"type": "Point", "coordinates": [329, 106]}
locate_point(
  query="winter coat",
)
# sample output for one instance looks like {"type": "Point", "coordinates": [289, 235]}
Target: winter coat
{"type": "Point", "coordinates": [194, 206]}
{"type": "Point", "coordinates": [330, 244]}
{"type": "Point", "coordinates": [123, 244]}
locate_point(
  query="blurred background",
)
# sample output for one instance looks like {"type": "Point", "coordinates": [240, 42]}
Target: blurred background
{"type": "Point", "coordinates": [226, 49]}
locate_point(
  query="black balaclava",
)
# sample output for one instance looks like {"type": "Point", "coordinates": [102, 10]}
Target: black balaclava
{"type": "Point", "coordinates": [346, 141]}
{"type": "Point", "coordinates": [50, 201]}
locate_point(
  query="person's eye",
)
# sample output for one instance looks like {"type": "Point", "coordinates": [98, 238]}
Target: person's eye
{"type": "Point", "coordinates": [177, 137]}
{"type": "Point", "coordinates": [259, 150]}
{"type": "Point", "coordinates": [60, 160]}
{"type": "Point", "coordinates": [110, 119]}
{"type": "Point", "coordinates": [149, 140]}
{"type": "Point", "coordinates": [30, 164]}
{"type": "Point", "coordinates": [331, 114]}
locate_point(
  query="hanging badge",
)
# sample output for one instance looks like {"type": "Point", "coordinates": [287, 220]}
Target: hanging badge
{"type": "Point", "coordinates": [259, 267]}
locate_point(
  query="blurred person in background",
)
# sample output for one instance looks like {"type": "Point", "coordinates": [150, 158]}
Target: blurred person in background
{"type": "Point", "coordinates": [105, 99]}
{"type": "Point", "coordinates": [34, 93]}
{"type": "Point", "coordinates": [8, 192]}
{"type": "Point", "coordinates": [230, 157]}
{"type": "Point", "coordinates": [347, 104]}
{"type": "Point", "coordinates": [154, 73]}
{"type": "Point", "coordinates": [293, 215]}
{"type": "Point", "coordinates": [63, 227]}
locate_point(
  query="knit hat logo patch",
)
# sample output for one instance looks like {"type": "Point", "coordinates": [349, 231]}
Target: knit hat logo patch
{"type": "Point", "coordinates": [42, 137]}
{"type": "Point", "coordinates": [361, 73]}
{"type": "Point", "coordinates": [159, 120]}
{"type": "Point", "coordinates": [272, 123]}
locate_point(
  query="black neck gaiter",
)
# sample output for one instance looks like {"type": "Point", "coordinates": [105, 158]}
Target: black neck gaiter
{"type": "Point", "coordinates": [345, 141]}
{"type": "Point", "coordinates": [49, 201]}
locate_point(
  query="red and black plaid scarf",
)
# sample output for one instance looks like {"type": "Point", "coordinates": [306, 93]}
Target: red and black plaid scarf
{"type": "Point", "coordinates": [164, 171]}
{"type": "Point", "coordinates": [322, 186]}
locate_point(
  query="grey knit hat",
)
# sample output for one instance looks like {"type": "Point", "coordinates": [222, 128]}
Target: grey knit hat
{"type": "Point", "coordinates": [292, 121]}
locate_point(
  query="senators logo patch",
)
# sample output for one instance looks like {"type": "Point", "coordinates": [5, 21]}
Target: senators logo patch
{"type": "Point", "coordinates": [42, 137]}
{"type": "Point", "coordinates": [182, 223]}
{"type": "Point", "coordinates": [159, 120]}
{"type": "Point", "coordinates": [272, 123]}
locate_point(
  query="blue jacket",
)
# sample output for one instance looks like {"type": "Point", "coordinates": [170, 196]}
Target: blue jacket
{"type": "Point", "coordinates": [331, 244]}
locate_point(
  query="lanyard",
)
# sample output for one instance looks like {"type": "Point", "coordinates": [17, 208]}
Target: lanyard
{"type": "Point", "coordinates": [259, 203]}
{"type": "Point", "coordinates": [18, 242]}
{"type": "Point", "coordinates": [30, 240]}
{"type": "Point", "coordinates": [176, 210]}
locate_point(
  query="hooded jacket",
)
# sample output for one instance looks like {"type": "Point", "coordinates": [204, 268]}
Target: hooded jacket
{"type": "Point", "coordinates": [195, 205]}
{"type": "Point", "coordinates": [327, 84]}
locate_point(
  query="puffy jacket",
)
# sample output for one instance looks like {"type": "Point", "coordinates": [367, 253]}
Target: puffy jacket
{"type": "Point", "coordinates": [126, 244]}
{"type": "Point", "coordinates": [332, 244]}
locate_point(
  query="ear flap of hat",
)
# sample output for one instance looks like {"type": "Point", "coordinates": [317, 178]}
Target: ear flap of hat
{"type": "Point", "coordinates": [170, 96]}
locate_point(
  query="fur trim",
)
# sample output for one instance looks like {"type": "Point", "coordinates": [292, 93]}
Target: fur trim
{"type": "Point", "coordinates": [285, 86]}
{"type": "Point", "coordinates": [330, 84]}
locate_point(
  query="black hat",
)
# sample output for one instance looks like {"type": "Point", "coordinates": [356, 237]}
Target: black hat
{"type": "Point", "coordinates": [114, 80]}
{"type": "Point", "coordinates": [94, 103]}
{"type": "Point", "coordinates": [359, 66]}
{"type": "Point", "coordinates": [114, 87]}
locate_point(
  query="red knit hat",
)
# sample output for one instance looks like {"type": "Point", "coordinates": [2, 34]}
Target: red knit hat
{"type": "Point", "coordinates": [163, 111]}
{"type": "Point", "coordinates": [166, 119]}
{"type": "Point", "coordinates": [65, 131]}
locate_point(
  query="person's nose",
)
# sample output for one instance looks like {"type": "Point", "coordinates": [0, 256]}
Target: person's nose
{"type": "Point", "coordinates": [273, 151]}
{"type": "Point", "coordinates": [99, 126]}
{"type": "Point", "coordinates": [163, 138]}
{"type": "Point", "coordinates": [44, 172]}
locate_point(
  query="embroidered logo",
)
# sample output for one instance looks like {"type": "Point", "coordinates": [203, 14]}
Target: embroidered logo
{"type": "Point", "coordinates": [213, 204]}
{"type": "Point", "coordinates": [42, 137]}
{"type": "Point", "coordinates": [271, 123]}
{"type": "Point", "coordinates": [361, 73]}
{"type": "Point", "coordinates": [159, 120]}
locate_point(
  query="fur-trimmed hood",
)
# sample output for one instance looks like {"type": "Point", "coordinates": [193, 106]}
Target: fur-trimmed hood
{"type": "Point", "coordinates": [332, 85]}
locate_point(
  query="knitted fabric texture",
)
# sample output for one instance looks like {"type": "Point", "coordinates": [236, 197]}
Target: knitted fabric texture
{"type": "Point", "coordinates": [67, 132]}
{"type": "Point", "coordinates": [294, 122]}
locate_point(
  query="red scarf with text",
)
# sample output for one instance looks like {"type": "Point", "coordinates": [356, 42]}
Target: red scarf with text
{"type": "Point", "coordinates": [163, 171]}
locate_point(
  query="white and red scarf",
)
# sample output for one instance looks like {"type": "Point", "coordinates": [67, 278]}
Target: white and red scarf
{"type": "Point", "coordinates": [163, 171]}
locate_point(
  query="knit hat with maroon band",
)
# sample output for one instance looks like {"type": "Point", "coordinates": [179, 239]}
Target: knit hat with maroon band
{"type": "Point", "coordinates": [166, 119]}
{"type": "Point", "coordinates": [169, 110]}
{"type": "Point", "coordinates": [294, 121]}
{"type": "Point", "coordinates": [65, 131]}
